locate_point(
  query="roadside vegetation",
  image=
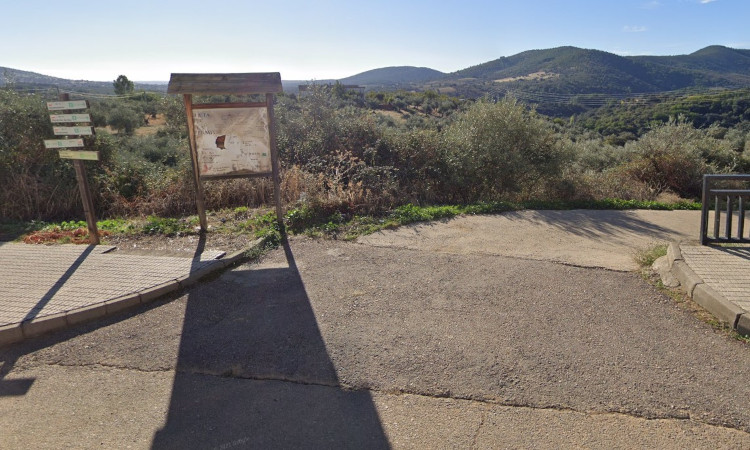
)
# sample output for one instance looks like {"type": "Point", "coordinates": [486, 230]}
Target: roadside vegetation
{"type": "Point", "coordinates": [353, 164]}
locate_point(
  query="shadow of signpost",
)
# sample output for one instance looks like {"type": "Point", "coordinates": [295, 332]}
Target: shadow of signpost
{"type": "Point", "coordinates": [253, 371]}
{"type": "Point", "coordinates": [20, 387]}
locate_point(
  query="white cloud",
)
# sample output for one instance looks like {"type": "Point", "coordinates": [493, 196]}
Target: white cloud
{"type": "Point", "coordinates": [703, 2]}
{"type": "Point", "coordinates": [634, 29]}
{"type": "Point", "coordinates": [651, 5]}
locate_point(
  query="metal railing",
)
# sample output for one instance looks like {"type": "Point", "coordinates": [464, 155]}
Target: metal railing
{"type": "Point", "coordinates": [728, 198]}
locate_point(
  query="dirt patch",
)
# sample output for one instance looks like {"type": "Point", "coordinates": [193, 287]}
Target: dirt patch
{"type": "Point", "coordinates": [152, 125]}
{"type": "Point", "coordinates": [185, 245]}
{"type": "Point", "coordinates": [532, 76]}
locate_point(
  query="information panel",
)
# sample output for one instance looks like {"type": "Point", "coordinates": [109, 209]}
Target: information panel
{"type": "Point", "coordinates": [232, 141]}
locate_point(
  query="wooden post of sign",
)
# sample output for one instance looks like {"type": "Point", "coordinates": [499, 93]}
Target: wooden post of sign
{"type": "Point", "coordinates": [83, 188]}
{"type": "Point", "coordinates": [199, 203]}
{"type": "Point", "coordinates": [275, 163]}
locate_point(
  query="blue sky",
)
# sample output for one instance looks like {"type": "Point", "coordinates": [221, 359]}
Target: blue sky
{"type": "Point", "coordinates": [148, 40]}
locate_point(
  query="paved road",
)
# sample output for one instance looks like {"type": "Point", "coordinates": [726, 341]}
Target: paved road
{"type": "Point", "coordinates": [324, 344]}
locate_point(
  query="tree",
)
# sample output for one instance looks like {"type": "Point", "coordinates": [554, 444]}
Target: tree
{"type": "Point", "coordinates": [123, 86]}
{"type": "Point", "coordinates": [125, 118]}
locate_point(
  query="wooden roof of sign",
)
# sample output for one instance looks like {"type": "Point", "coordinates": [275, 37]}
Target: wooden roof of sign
{"type": "Point", "coordinates": [225, 83]}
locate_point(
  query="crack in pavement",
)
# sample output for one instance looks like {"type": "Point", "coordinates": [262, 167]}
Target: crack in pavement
{"type": "Point", "coordinates": [404, 392]}
{"type": "Point", "coordinates": [497, 255]}
{"type": "Point", "coordinates": [482, 418]}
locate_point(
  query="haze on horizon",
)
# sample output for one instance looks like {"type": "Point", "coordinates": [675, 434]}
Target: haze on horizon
{"type": "Point", "coordinates": [147, 41]}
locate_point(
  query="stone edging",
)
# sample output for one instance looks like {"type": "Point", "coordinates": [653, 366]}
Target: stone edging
{"type": "Point", "coordinates": [16, 332]}
{"type": "Point", "coordinates": [705, 295]}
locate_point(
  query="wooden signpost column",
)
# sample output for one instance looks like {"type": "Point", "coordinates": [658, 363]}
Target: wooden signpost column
{"type": "Point", "coordinates": [231, 140]}
{"type": "Point", "coordinates": [76, 156]}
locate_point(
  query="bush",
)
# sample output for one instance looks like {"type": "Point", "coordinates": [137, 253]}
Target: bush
{"type": "Point", "coordinates": [670, 157]}
{"type": "Point", "coordinates": [500, 150]}
{"type": "Point", "coordinates": [125, 119]}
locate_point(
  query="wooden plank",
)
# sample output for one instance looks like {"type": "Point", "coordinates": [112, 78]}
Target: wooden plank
{"type": "Point", "coordinates": [73, 131]}
{"type": "Point", "coordinates": [75, 104]}
{"type": "Point", "coordinates": [275, 164]}
{"type": "Point", "coordinates": [63, 143]}
{"type": "Point", "coordinates": [228, 105]}
{"type": "Point", "coordinates": [225, 83]}
{"type": "Point", "coordinates": [70, 118]}
{"type": "Point", "coordinates": [79, 154]}
{"type": "Point", "coordinates": [242, 174]}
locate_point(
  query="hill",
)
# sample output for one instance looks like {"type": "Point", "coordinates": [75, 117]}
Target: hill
{"type": "Point", "coordinates": [31, 80]}
{"type": "Point", "coordinates": [394, 77]}
{"type": "Point", "coordinates": [571, 70]}
{"type": "Point", "coordinates": [560, 81]}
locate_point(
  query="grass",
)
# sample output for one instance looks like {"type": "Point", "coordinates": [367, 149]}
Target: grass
{"type": "Point", "coordinates": [319, 220]}
{"type": "Point", "coordinates": [645, 258]}
{"type": "Point", "coordinates": [168, 226]}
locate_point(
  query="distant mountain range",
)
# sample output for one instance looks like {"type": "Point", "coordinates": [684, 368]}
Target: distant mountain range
{"type": "Point", "coordinates": [22, 79]}
{"type": "Point", "coordinates": [571, 70]}
{"type": "Point", "coordinates": [556, 71]}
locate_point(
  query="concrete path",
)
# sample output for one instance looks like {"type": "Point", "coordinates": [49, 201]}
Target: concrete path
{"type": "Point", "coordinates": [368, 345]}
{"type": "Point", "coordinates": [586, 238]}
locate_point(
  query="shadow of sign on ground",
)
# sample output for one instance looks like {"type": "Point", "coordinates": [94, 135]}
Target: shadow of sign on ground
{"type": "Point", "coordinates": [253, 371]}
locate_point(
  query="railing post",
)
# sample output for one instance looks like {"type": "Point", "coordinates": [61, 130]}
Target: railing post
{"type": "Point", "coordinates": [704, 211]}
{"type": "Point", "coordinates": [741, 223]}
{"type": "Point", "coordinates": [728, 227]}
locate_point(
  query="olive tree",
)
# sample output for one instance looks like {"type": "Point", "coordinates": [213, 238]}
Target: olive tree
{"type": "Point", "coordinates": [501, 150]}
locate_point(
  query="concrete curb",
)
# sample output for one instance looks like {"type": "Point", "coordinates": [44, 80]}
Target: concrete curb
{"type": "Point", "coordinates": [16, 332]}
{"type": "Point", "coordinates": [706, 296]}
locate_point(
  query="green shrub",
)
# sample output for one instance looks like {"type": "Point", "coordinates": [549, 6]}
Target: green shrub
{"type": "Point", "coordinates": [670, 157]}
{"type": "Point", "coordinates": [497, 149]}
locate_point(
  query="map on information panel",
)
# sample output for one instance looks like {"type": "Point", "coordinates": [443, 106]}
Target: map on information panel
{"type": "Point", "coordinates": [232, 141]}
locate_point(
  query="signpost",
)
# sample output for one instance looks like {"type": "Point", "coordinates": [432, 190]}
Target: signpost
{"type": "Point", "coordinates": [75, 128]}
{"type": "Point", "coordinates": [80, 154]}
{"type": "Point", "coordinates": [230, 140]}
{"type": "Point", "coordinates": [69, 118]}
{"type": "Point", "coordinates": [59, 106]}
{"type": "Point", "coordinates": [63, 143]}
{"type": "Point", "coordinates": [77, 131]}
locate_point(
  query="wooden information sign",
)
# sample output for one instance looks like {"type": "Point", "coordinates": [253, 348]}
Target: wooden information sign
{"type": "Point", "coordinates": [230, 140]}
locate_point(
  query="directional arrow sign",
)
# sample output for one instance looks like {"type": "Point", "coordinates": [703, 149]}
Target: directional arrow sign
{"type": "Point", "coordinates": [63, 143]}
{"type": "Point", "coordinates": [73, 131]}
{"type": "Point", "coordinates": [59, 106]}
{"type": "Point", "coordinates": [68, 118]}
{"type": "Point", "coordinates": [79, 154]}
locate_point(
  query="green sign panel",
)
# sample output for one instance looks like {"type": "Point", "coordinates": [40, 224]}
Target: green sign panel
{"type": "Point", "coordinates": [63, 143]}
{"type": "Point", "coordinates": [73, 131]}
{"type": "Point", "coordinates": [59, 106]}
{"type": "Point", "coordinates": [69, 118]}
